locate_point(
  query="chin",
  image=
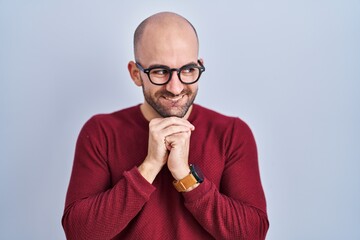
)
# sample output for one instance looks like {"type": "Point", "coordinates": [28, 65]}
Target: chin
{"type": "Point", "coordinates": [180, 113]}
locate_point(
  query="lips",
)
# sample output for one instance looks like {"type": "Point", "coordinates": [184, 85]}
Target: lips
{"type": "Point", "coordinates": [174, 98]}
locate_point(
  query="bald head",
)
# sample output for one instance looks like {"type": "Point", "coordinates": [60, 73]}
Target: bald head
{"type": "Point", "coordinates": [160, 28]}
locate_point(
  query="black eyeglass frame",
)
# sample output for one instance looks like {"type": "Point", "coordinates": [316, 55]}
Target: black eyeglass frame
{"type": "Point", "coordinates": [178, 70]}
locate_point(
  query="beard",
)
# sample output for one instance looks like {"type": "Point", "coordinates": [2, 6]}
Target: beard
{"type": "Point", "coordinates": [175, 110]}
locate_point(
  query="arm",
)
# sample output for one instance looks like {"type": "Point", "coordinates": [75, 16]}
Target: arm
{"type": "Point", "coordinates": [237, 210]}
{"type": "Point", "coordinates": [94, 208]}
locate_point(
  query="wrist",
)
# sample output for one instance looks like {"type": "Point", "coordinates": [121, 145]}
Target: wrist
{"type": "Point", "coordinates": [191, 181]}
{"type": "Point", "coordinates": [149, 170]}
{"type": "Point", "coordinates": [181, 173]}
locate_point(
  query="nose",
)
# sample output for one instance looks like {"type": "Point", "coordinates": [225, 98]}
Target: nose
{"type": "Point", "coordinates": [175, 86]}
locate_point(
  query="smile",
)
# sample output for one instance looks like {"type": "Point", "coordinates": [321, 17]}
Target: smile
{"type": "Point", "coordinates": [175, 98]}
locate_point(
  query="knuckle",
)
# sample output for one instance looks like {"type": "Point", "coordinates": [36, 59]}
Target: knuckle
{"type": "Point", "coordinates": [172, 120]}
{"type": "Point", "coordinates": [153, 122]}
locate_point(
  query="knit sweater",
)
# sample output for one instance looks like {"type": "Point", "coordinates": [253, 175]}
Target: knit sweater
{"type": "Point", "coordinates": [108, 198]}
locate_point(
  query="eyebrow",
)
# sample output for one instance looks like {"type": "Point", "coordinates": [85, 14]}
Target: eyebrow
{"type": "Point", "coordinates": [162, 66]}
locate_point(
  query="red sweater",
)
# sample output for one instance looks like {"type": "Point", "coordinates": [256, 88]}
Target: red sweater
{"type": "Point", "coordinates": [108, 198]}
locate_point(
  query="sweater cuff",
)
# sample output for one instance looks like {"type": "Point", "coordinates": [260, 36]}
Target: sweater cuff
{"type": "Point", "coordinates": [139, 183]}
{"type": "Point", "coordinates": [198, 192]}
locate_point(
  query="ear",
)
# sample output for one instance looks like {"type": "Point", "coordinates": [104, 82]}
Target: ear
{"type": "Point", "coordinates": [134, 73]}
{"type": "Point", "coordinates": [201, 60]}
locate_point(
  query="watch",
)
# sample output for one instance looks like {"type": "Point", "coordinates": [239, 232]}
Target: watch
{"type": "Point", "coordinates": [195, 176]}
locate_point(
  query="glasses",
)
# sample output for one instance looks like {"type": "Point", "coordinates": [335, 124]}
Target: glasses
{"type": "Point", "coordinates": [161, 75]}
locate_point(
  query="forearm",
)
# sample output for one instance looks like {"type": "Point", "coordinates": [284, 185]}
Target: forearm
{"type": "Point", "coordinates": [106, 214]}
{"type": "Point", "coordinates": [224, 217]}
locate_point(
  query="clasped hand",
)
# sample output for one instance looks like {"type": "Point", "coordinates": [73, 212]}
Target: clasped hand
{"type": "Point", "coordinates": [169, 142]}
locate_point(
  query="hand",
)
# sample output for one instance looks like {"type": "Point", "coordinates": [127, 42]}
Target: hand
{"type": "Point", "coordinates": [175, 131]}
{"type": "Point", "coordinates": [178, 145]}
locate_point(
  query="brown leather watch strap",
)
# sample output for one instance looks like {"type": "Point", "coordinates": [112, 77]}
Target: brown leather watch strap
{"type": "Point", "coordinates": [183, 184]}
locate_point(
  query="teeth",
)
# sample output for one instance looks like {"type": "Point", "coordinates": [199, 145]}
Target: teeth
{"type": "Point", "coordinates": [173, 99]}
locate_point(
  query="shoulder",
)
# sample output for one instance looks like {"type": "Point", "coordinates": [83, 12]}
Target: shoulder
{"type": "Point", "coordinates": [222, 126]}
{"type": "Point", "coordinates": [104, 122]}
{"type": "Point", "coordinates": [123, 115]}
{"type": "Point", "coordinates": [215, 118]}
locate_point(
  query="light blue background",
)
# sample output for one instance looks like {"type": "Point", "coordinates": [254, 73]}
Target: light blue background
{"type": "Point", "coordinates": [290, 69]}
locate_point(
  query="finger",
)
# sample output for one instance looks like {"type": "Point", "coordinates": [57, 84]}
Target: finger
{"type": "Point", "coordinates": [179, 135]}
{"type": "Point", "coordinates": [159, 135]}
{"type": "Point", "coordinates": [177, 139]}
{"type": "Point", "coordinates": [160, 123]}
{"type": "Point", "coordinates": [174, 129]}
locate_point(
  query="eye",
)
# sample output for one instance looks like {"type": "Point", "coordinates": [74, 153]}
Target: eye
{"type": "Point", "coordinates": [159, 72]}
{"type": "Point", "coordinates": [189, 70]}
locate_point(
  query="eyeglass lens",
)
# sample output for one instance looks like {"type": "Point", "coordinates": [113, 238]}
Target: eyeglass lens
{"type": "Point", "coordinates": [162, 75]}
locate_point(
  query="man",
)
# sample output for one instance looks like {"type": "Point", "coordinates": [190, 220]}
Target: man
{"type": "Point", "coordinates": [168, 168]}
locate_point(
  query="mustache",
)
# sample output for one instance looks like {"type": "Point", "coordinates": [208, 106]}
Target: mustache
{"type": "Point", "coordinates": [171, 95]}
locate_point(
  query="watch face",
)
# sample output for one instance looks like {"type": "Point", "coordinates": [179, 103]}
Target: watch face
{"type": "Point", "coordinates": [196, 172]}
